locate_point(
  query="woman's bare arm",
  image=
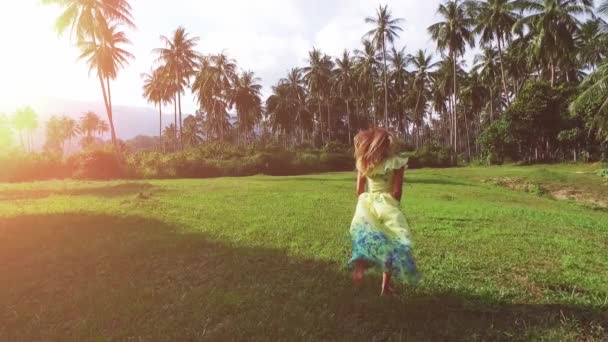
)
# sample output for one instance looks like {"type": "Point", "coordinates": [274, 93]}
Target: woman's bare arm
{"type": "Point", "coordinates": [398, 183]}
{"type": "Point", "coordinates": [360, 183]}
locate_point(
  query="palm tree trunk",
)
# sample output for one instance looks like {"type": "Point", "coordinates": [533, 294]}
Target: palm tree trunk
{"type": "Point", "coordinates": [175, 111]}
{"type": "Point", "coordinates": [466, 125]}
{"type": "Point", "coordinates": [357, 109]}
{"type": "Point", "coordinates": [328, 121]}
{"type": "Point", "coordinates": [320, 118]}
{"type": "Point", "coordinates": [502, 70]}
{"type": "Point", "coordinates": [455, 107]}
{"type": "Point", "coordinates": [179, 106]}
{"type": "Point", "coordinates": [372, 100]}
{"type": "Point", "coordinates": [106, 103]}
{"type": "Point", "coordinates": [552, 74]}
{"type": "Point", "coordinates": [385, 82]}
{"type": "Point", "coordinates": [348, 120]}
{"type": "Point", "coordinates": [110, 114]}
{"type": "Point", "coordinates": [160, 126]}
{"type": "Point", "coordinates": [491, 104]}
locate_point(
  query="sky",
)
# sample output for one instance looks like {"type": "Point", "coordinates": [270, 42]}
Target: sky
{"type": "Point", "coordinates": [265, 36]}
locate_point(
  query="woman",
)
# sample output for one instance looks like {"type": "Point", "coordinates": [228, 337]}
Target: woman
{"type": "Point", "coordinates": [379, 230]}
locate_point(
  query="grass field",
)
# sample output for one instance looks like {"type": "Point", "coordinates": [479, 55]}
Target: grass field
{"type": "Point", "coordinates": [263, 258]}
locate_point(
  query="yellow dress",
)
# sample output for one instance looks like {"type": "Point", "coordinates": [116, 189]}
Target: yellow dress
{"type": "Point", "coordinates": [379, 231]}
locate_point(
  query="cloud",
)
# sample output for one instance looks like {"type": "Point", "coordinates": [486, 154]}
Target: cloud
{"type": "Point", "coordinates": [347, 27]}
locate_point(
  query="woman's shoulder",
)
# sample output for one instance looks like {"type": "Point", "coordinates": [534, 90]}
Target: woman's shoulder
{"type": "Point", "coordinates": [396, 161]}
{"type": "Point", "coordinates": [393, 162]}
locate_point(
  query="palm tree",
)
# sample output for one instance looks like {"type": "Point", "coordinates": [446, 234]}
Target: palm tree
{"type": "Point", "coordinates": [297, 93]}
{"type": "Point", "coordinates": [344, 76]}
{"type": "Point", "coordinates": [439, 98]}
{"type": "Point", "coordinates": [25, 122]}
{"type": "Point", "coordinates": [93, 23]}
{"type": "Point", "coordinates": [555, 25]}
{"type": "Point", "coordinates": [385, 29]}
{"type": "Point", "coordinates": [225, 71]}
{"type": "Point", "coordinates": [453, 34]}
{"type": "Point", "coordinates": [317, 76]}
{"type": "Point", "coordinates": [592, 43]}
{"type": "Point", "coordinates": [603, 8]}
{"type": "Point", "coordinates": [474, 96]}
{"type": "Point", "coordinates": [213, 91]}
{"type": "Point", "coordinates": [367, 61]}
{"type": "Point", "coordinates": [400, 78]}
{"type": "Point", "coordinates": [91, 124]}
{"type": "Point", "coordinates": [53, 135]}
{"type": "Point", "coordinates": [595, 87]}
{"type": "Point", "coordinates": [192, 131]}
{"type": "Point", "coordinates": [102, 129]}
{"type": "Point", "coordinates": [494, 22]}
{"type": "Point", "coordinates": [486, 66]}
{"type": "Point", "coordinates": [87, 18]}
{"type": "Point", "coordinates": [207, 92]}
{"type": "Point", "coordinates": [278, 108]}
{"type": "Point", "coordinates": [520, 63]}
{"type": "Point", "coordinates": [170, 137]}
{"type": "Point", "coordinates": [156, 90]}
{"type": "Point", "coordinates": [6, 134]}
{"type": "Point", "coordinates": [180, 59]}
{"type": "Point", "coordinates": [105, 55]}
{"type": "Point", "coordinates": [58, 131]}
{"type": "Point", "coordinates": [421, 84]}
{"type": "Point", "coordinates": [246, 97]}
{"type": "Point", "coordinates": [70, 129]}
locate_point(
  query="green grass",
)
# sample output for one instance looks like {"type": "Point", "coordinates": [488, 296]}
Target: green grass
{"type": "Point", "coordinates": [263, 258]}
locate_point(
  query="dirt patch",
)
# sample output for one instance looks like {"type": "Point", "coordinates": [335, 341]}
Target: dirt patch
{"type": "Point", "coordinates": [579, 196]}
{"type": "Point", "coordinates": [558, 193]}
{"type": "Point", "coordinates": [517, 184]}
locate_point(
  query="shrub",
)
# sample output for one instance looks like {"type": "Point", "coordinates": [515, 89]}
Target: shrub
{"type": "Point", "coordinates": [430, 156]}
{"type": "Point", "coordinates": [604, 172]}
{"type": "Point", "coordinates": [25, 167]}
{"type": "Point", "coordinates": [213, 160]}
{"type": "Point", "coordinates": [336, 161]}
{"type": "Point", "coordinates": [97, 164]}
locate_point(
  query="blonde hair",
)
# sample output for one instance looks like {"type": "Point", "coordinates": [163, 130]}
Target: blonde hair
{"type": "Point", "coordinates": [372, 147]}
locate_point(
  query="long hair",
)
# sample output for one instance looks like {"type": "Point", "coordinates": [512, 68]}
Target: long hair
{"type": "Point", "coordinates": [372, 147]}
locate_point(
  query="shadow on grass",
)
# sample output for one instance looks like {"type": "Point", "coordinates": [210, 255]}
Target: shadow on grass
{"type": "Point", "coordinates": [82, 277]}
{"type": "Point", "coordinates": [118, 190]}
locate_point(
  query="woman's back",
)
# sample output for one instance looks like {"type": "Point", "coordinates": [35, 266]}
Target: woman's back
{"type": "Point", "coordinates": [380, 179]}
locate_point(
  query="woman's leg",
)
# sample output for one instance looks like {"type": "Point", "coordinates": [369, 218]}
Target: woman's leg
{"type": "Point", "coordinates": [358, 273]}
{"type": "Point", "coordinates": [386, 284]}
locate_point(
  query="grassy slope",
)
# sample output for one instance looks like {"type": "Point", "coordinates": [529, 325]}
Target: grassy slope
{"type": "Point", "coordinates": [263, 258]}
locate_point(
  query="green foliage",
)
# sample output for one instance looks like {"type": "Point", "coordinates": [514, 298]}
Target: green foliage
{"type": "Point", "coordinates": [497, 142]}
{"type": "Point", "coordinates": [604, 171]}
{"type": "Point", "coordinates": [101, 164]}
{"type": "Point", "coordinates": [142, 143]}
{"type": "Point", "coordinates": [208, 160]}
{"type": "Point", "coordinates": [216, 160]}
{"type": "Point", "coordinates": [532, 123]}
{"type": "Point", "coordinates": [6, 135]}
{"type": "Point", "coordinates": [430, 156]}
{"type": "Point", "coordinates": [592, 103]}
{"type": "Point", "coordinates": [22, 167]}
